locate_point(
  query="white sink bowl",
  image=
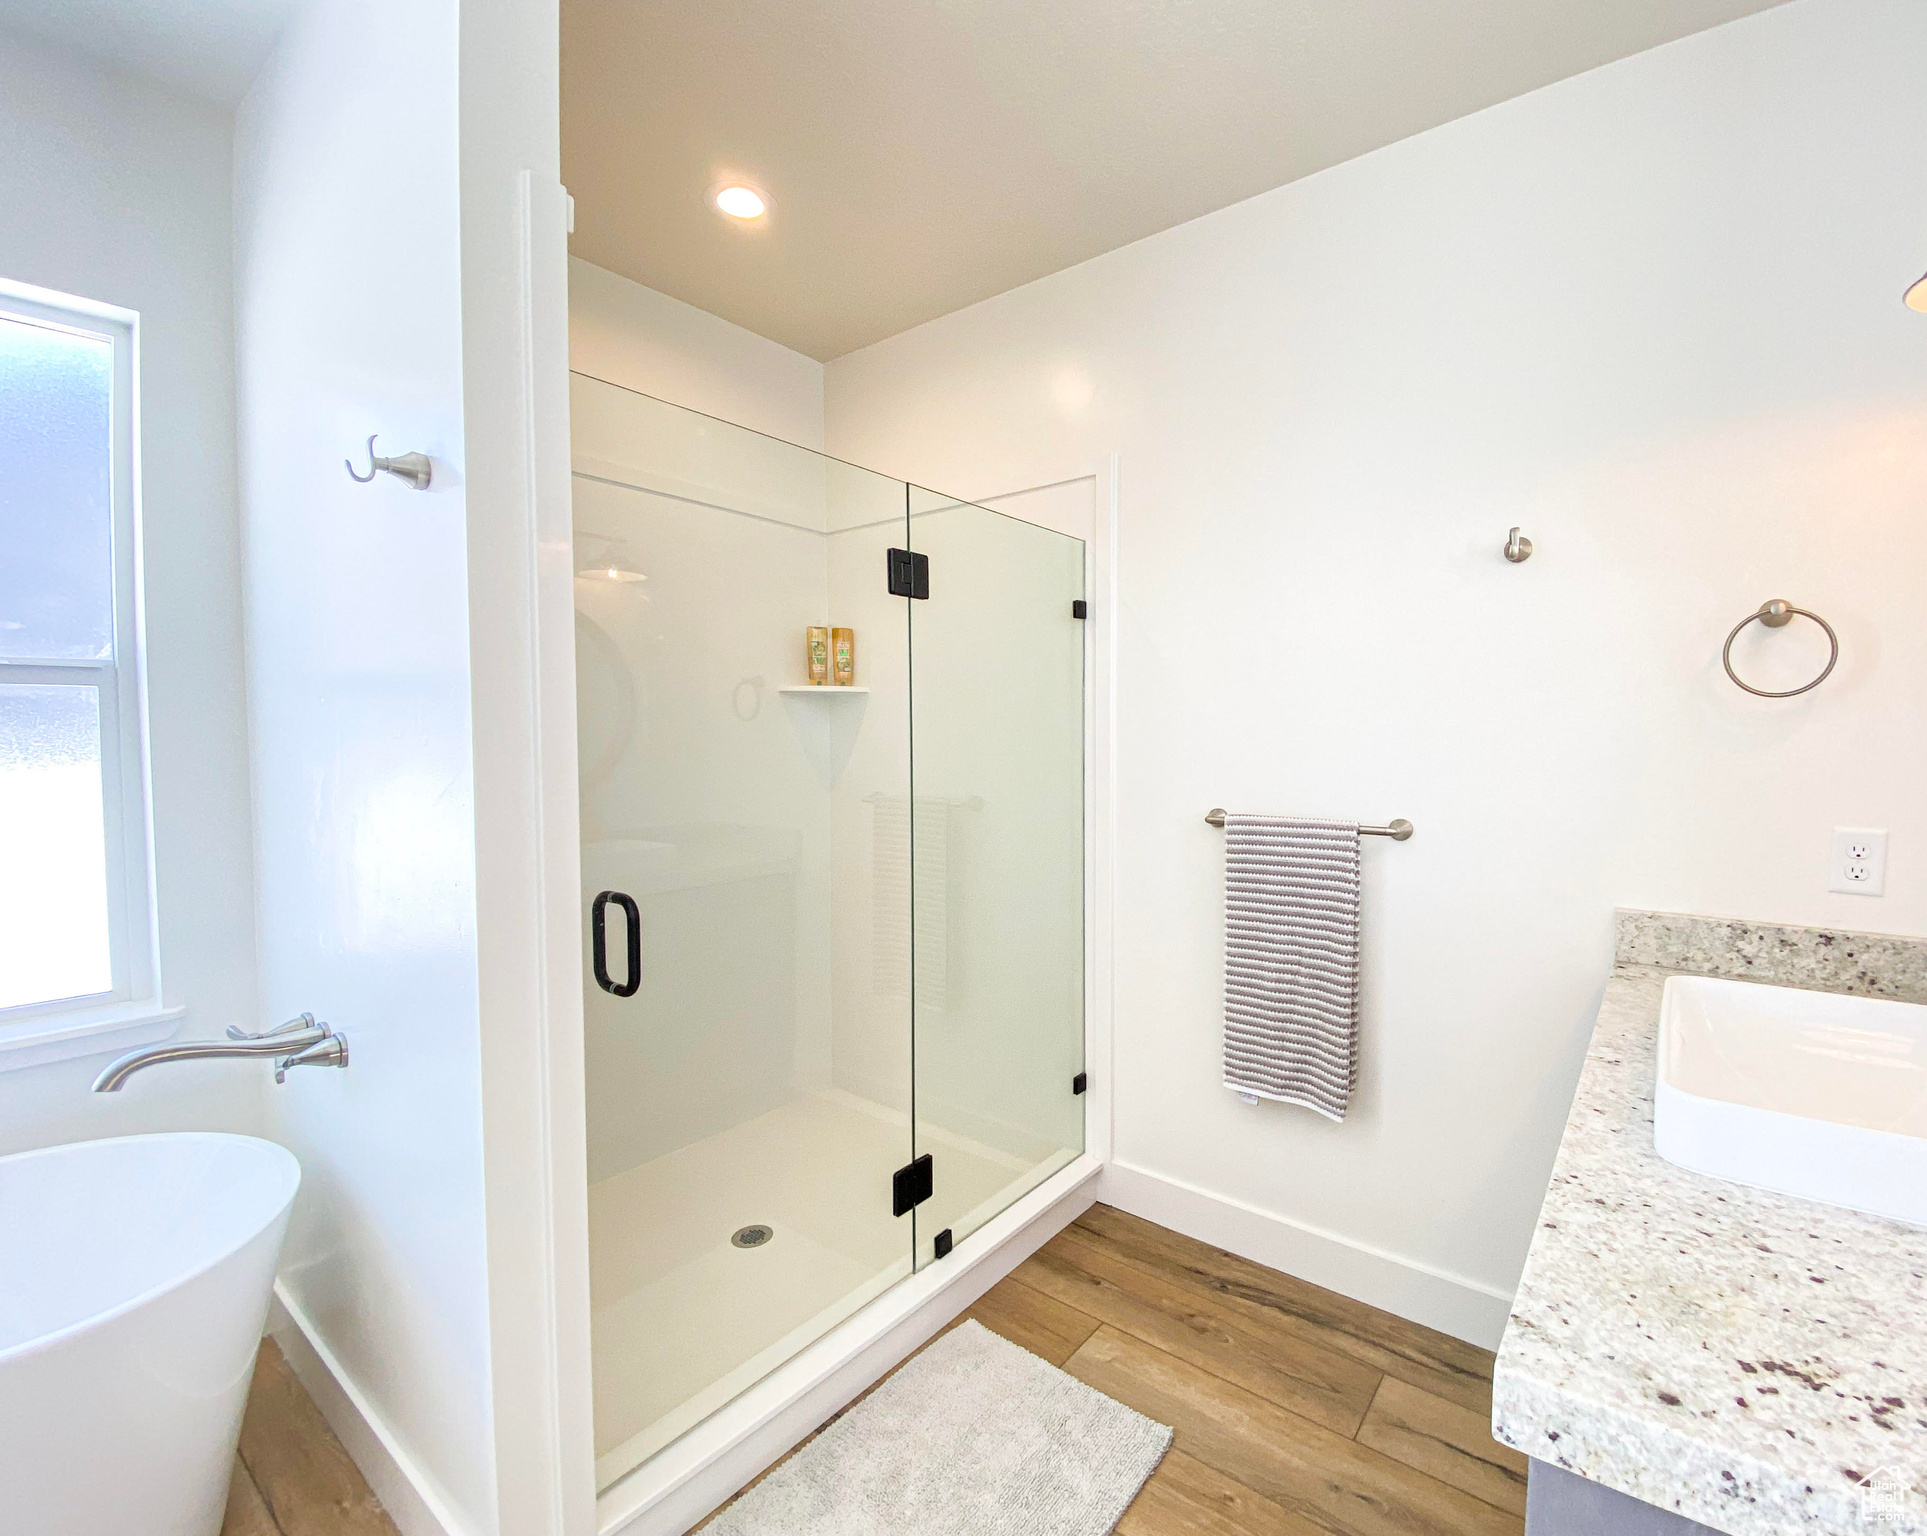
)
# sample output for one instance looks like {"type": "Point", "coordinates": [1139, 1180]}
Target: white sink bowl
{"type": "Point", "coordinates": [134, 1279]}
{"type": "Point", "coordinates": [1808, 1093]}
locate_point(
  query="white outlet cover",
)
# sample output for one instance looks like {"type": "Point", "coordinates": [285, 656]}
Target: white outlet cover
{"type": "Point", "coordinates": [1859, 863]}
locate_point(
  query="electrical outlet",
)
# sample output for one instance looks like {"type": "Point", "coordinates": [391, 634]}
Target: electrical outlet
{"type": "Point", "coordinates": [1859, 865]}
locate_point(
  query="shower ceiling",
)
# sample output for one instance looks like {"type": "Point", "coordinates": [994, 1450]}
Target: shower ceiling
{"type": "Point", "coordinates": [924, 154]}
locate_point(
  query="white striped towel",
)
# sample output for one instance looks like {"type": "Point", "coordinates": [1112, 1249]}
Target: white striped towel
{"type": "Point", "coordinates": [1291, 960]}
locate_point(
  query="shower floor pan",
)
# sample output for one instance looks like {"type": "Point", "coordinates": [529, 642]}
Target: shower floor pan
{"type": "Point", "coordinates": [683, 1319]}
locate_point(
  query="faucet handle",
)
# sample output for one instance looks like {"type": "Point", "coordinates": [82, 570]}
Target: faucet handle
{"type": "Point", "coordinates": [329, 1052]}
{"type": "Point", "coordinates": [301, 1022]}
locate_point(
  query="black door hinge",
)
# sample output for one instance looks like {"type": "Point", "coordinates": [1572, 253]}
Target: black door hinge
{"type": "Point", "coordinates": [943, 1243]}
{"type": "Point", "coordinates": [1080, 609]}
{"type": "Point", "coordinates": [1079, 1083]}
{"type": "Point", "coordinates": [909, 573]}
{"type": "Point", "coordinates": [910, 1185]}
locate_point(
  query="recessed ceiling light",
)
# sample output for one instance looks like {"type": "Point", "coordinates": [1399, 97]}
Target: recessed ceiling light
{"type": "Point", "coordinates": [1917, 295]}
{"type": "Point", "coordinates": [741, 202]}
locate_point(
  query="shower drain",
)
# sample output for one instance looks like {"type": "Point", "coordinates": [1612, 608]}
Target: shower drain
{"type": "Point", "coordinates": [751, 1237]}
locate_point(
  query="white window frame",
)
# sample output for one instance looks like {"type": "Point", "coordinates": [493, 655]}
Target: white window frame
{"type": "Point", "coordinates": [132, 1011]}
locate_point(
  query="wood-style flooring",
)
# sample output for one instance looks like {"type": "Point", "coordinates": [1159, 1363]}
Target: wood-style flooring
{"type": "Point", "coordinates": [292, 1477]}
{"type": "Point", "coordinates": [1298, 1412]}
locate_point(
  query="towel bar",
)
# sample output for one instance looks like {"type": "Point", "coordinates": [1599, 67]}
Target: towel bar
{"type": "Point", "coordinates": [1398, 831]}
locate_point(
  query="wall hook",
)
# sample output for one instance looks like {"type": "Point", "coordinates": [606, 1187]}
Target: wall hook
{"type": "Point", "coordinates": [1516, 548]}
{"type": "Point", "coordinates": [416, 468]}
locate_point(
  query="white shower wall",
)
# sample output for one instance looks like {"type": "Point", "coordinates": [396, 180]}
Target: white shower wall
{"type": "Point", "coordinates": [642, 339]}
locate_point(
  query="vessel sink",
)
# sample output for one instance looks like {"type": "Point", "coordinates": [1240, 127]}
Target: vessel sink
{"type": "Point", "coordinates": [1809, 1093]}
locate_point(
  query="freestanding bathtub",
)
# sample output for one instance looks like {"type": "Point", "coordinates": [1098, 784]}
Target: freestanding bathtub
{"type": "Point", "coordinates": [134, 1282]}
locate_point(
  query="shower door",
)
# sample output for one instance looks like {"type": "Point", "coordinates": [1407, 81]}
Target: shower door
{"type": "Point", "coordinates": [834, 1008]}
{"type": "Point", "coordinates": [997, 655]}
{"type": "Point", "coordinates": [747, 1060]}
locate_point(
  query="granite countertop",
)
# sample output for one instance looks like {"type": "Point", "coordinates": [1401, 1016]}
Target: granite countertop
{"type": "Point", "coordinates": [1743, 1358]}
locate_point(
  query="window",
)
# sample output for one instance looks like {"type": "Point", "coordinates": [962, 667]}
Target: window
{"type": "Point", "coordinates": [76, 930]}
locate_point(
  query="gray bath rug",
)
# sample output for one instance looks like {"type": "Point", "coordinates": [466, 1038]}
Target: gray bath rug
{"type": "Point", "coordinates": [974, 1437]}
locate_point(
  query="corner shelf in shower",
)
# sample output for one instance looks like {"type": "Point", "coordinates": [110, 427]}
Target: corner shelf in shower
{"type": "Point", "coordinates": [820, 688]}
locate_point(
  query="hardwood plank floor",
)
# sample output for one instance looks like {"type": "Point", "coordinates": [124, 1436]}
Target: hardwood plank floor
{"type": "Point", "coordinates": [1446, 1367]}
{"type": "Point", "coordinates": [247, 1511]}
{"type": "Point", "coordinates": [1188, 1497]}
{"type": "Point", "coordinates": [1298, 1412]}
{"type": "Point", "coordinates": [292, 1477]}
{"type": "Point", "coordinates": [1327, 1479]}
{"type": "Point", "coordinates": [1320, 1384]}
{"type": "Point", "coordinates": [1453, 1444]}
{"type": "Point", "coordinates": [1035, 1320]}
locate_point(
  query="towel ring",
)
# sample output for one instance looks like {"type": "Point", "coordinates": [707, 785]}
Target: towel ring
{"type": "Point", "coordinates": [1773, 614]}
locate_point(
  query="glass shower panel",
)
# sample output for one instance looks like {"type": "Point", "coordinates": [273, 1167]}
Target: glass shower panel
{"type": "Point", "coordinates": [747, 1034]}
{"type": "Point", "coordinates": [997, 832]}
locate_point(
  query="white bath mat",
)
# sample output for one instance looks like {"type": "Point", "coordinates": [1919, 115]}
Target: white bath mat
{"type": "Point", "coordinates": [974, 1437]}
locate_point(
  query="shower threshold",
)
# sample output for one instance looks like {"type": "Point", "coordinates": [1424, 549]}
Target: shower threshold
{"type": "Point", "coordinates": [684, 1318]}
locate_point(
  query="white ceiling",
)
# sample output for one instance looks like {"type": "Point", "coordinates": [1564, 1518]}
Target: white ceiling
{"type": "Point", "coordinates": [924, 154]}
{"type": "Point", "coordinates": [210, 49]}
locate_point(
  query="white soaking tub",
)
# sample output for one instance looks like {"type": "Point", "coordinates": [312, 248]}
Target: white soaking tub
{"type": "Point", "coordinates": [134, 1282]}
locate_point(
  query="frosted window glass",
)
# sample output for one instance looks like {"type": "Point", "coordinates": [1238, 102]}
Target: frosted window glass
{"type": "Point", "coordinates": [56, 501]}
{"type": "Point", "coordinates": [53, 896]}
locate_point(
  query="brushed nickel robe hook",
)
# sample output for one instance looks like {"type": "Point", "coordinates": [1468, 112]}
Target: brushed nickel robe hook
{"type": "Point", "coordinates": [416, 468]}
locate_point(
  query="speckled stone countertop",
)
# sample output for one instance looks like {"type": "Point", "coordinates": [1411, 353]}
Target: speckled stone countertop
{"type": "Point", "coordinates": [1743, 1358]}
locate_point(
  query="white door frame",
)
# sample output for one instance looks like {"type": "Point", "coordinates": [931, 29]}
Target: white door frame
{"type": "Point", "coordinates": [553, 1359]}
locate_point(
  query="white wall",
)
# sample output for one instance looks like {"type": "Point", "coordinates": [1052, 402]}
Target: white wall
{"type": "Point", "coordinates": [116, 190]}
{"type": "Point", "coordinates": [641, 339]}
{"type": "Point", "coordinates": [1652, 315]}
{"type": "Point", "coordinates": [349, 290]}
{"type": "Point", "coordinates": [401, 269]}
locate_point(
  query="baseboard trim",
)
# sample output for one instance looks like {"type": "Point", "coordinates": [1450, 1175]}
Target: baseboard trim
{"type": "Point", "coordinates": [1467, 1309]}
{"type": "Point", "coordinates": [412, 1498]}
{"type": "Point", "coordinates": [682, 1483]}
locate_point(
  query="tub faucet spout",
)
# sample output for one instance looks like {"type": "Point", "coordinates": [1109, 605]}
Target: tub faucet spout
{"type": "Point", "coordinates": [301, 1042]}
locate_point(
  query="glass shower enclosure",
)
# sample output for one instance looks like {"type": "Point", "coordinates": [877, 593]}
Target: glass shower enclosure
{"type": "Point", "coordinates": [834, 935]}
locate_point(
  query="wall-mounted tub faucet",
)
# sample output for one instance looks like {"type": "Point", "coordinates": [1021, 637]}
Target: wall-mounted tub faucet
{"type": "Point", "coordinates": [301, 1042]}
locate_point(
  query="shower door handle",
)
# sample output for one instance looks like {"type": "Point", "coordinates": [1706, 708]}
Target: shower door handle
{"type": "Point", "coordinates": [599, 942]}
